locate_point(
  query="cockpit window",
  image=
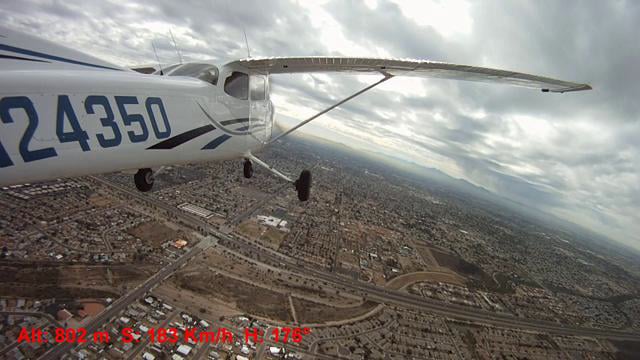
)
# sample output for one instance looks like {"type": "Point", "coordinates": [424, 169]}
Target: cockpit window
{"type": "Point", "coordinates": [237, 85]}
{"type": "Point", "coordinates": [204, 72]}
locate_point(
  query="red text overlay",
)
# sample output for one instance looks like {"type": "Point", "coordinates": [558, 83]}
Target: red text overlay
{"type": "Point", "coordinates": [172, 335]}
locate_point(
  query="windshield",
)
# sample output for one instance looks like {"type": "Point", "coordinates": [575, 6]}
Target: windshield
{"type": "Point", "coordinates": [204, 72]}
{"type": "Point", "coordinates": [165, 70]}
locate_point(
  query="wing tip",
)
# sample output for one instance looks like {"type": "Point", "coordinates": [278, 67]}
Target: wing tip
{"type": "Point", "coordinates": [583, 87]}
{"type": "Point", "coordinates": [578, 87]}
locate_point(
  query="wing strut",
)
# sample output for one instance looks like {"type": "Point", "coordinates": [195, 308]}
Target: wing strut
{"type": "Point", "coordinates": [385, 78]}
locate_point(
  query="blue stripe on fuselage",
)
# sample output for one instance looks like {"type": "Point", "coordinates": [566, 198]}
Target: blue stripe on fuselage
{"type": "Point", "coordinates": [50, 57]}
{"type": "Point", "coordinates": [216, 142]}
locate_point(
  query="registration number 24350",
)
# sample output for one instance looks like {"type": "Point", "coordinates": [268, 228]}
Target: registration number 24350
{"type": "Point", "coordinates": [68, 128]}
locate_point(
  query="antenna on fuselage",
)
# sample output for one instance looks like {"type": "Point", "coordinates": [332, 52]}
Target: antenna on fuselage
{"type": "Point", "coordinates": [175, 45]}
{"type": "Point", "coordinates": [246, 41]}
{"type": "Point", "coordinates": [157, 58]}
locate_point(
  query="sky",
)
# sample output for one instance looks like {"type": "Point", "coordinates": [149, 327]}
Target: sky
{"type": "Point", "coordinates": [573, 155]}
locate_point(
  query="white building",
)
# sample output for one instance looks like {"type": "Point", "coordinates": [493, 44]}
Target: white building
{"type": "Point", "coordinates": [184, 350]}
{"type": "Point", "coordinates": [195, 209]}
{"type": "Point", "coordinates": [272, 221]}
{"type": "Point", "coordinates": [274, 350]}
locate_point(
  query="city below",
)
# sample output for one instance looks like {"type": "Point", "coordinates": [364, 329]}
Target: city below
{"type": "Point", "coordinates": [387, 260]}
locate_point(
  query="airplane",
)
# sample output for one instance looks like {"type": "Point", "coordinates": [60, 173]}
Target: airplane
{"type": "Point", "coordinates": [65, 113]}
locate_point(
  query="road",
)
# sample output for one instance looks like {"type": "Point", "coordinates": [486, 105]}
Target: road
{"type": "Point", "coordinates": [385, 296]}
{"type": "Point", "coordinates": [121, 303]}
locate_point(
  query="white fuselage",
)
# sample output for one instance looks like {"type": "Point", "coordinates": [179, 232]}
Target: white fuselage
{"type": "Point", "coordinates": [69, 123]}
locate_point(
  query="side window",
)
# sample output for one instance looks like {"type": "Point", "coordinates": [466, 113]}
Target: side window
{"type": "Point", "coordinates": [257, 88]}
{"type": "Point", "coordinates": [209, 75]}
{"type": "Point", "coordinates": [237, 85]}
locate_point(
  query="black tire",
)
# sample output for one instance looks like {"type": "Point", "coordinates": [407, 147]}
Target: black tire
{"type": "Point", "coordinates": [303, 185]}
{"type": "Point", "coordinates": [248, 169]}
{"type": "Point", "coordinates": [143, 180]}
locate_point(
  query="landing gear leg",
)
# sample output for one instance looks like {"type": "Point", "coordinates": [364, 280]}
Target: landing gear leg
{"type": "Point", "coordinates": [144, 179]}
{"type": "Point", "coordinates": [248, 169]}
{"type": "Point", "coordinates": [303, 185]}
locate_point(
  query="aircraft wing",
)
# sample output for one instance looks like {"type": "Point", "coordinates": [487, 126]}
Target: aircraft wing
{"type": "Point", "coordinates": [404, 67]}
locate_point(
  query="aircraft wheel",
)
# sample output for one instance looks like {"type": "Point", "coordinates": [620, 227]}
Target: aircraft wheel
{"type": "Point", "coordinates": [248, 169]}
{"type": "Point", "coordinates": [143, 179]}
{"type": "Point", "coordinates": [303, 185]}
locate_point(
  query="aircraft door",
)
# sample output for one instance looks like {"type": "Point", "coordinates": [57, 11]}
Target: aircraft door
{"type": "Point", "coordinates": [260, 108]}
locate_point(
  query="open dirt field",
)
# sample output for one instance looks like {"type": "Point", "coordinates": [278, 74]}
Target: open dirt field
{"type": "Point", "coordinates": [314, 313]}
{"type": "Point", "coordinates": [455, 263]}
{"type": "Point", "coordinates": [91, 307]}
{"type": "Point", "coordinates": [427, 256]}
{"type": "Point", "coordinates": [409, 264]}
{"type": "Point", "coordinates": [49, 291]}
{"type": "Point", "coordinates": [351, 260]}
{"type": "Point", "coordinates": [477, 278]}
{"type": "Point", "coordinates": [273, 237]}
{"type": "Point", "coordinates": [77, 280]}
{"type": "Point", "coordinates": [250, 229]}
{"type": "Point", "coordinates": [247, 298]}
{"type": "Point", "coordinates": [153, 232]}
{"type": "Point", "coordinates": [407, 279]}
{"type": "Point", "coordinates": [195, 303]}
{"type": "Point", "coordinates": [267, 235]}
